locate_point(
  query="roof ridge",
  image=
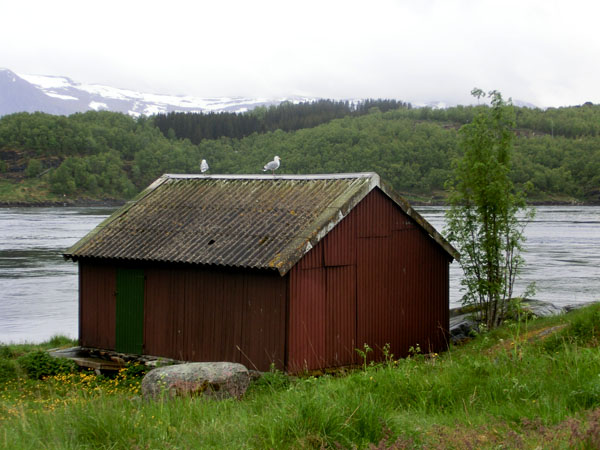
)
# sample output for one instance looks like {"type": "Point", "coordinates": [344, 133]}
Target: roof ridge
{"type": "Point", "coordinates": [321, 176]}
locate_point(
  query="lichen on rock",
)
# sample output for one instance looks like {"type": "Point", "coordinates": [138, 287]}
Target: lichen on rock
{"type": "Point", "coordinates": [218, 380]}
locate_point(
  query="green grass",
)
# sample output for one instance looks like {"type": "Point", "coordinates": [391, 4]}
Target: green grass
{"type": "Point", "coordinates": [31, 191]}
{"type": "Point", "coordinates": [510, 388]}
{"type": "Point", "coordinates": [36, 191]}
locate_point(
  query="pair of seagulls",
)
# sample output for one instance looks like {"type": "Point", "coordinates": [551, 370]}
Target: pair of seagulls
{"type": "Point", "coordinates": [271, 165]}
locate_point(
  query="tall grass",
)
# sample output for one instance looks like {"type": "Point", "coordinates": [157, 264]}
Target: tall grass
{"type": "Point", "coordinates": [507, 388]}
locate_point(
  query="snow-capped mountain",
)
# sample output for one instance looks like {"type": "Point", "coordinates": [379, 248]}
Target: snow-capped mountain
{"type": "Point", "coordinates": [62, 95]}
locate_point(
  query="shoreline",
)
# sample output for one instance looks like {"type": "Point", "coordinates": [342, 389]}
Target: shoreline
{"type": "Point", "coordinates": [119, 203]}
{"type": "Point", "coordinates": [65, 204]}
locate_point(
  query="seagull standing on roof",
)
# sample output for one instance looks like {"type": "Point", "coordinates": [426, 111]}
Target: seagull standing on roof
{"type": "Point", "coordinates": [203, 166]}
{"type": "Point", "coordinates": [272, 165]}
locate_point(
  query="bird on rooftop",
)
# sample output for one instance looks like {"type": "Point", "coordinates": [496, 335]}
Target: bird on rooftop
{"type": "Point", "coordinates": [272, 165]}
{"type": "Point", "coordinates": [203, 166]}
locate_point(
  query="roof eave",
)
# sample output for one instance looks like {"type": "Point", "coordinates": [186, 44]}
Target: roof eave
{"type": "Point", "coordinates": [70, 252]}
{"type": "Point", "coordinates": [410, 211]}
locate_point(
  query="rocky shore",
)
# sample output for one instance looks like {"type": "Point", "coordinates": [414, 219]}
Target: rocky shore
{"type": "Point", "coordinates": [463, 322]}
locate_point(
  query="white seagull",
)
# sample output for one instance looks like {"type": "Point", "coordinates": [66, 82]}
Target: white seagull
{"type": "Point", "coordinates": [203, 166]}
{"type": "Point", "coordinates": [272, 165]}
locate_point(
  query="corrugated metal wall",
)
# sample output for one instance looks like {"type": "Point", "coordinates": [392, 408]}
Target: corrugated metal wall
{"type": "Point", "coordinates": [340, 327]}
{"type": "Point", "coordinates": [209, 315]}
{"type": "Point", "coordinates": [423, 276]}
{"type": "Point", "coordinates": [306, 333]}
{"type": "Point", "coordinates": [382, 280]}
{"type": "Point", "coordinates": [97, 286]}
{"type": "Point", "coordinates": [193, 314]}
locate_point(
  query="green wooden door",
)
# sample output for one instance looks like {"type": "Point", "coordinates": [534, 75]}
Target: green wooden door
{"type": "Point", "coordinates": [130, 311]}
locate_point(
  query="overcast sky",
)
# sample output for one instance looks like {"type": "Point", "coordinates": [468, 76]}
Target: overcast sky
{"type": "Point", "coordinates": [543, 52]}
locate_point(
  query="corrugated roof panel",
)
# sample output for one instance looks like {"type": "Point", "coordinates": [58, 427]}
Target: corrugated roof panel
{"type": "Point", "coordinates": [240, 221]}
{"type": "Point", "coordinates": [222, 221]}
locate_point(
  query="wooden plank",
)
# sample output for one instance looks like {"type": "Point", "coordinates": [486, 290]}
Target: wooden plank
{"type": "Point", "coordinates": [98, 364]}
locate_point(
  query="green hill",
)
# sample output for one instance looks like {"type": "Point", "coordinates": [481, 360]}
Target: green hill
{"type": "Point", "coordinates": [104, 156]}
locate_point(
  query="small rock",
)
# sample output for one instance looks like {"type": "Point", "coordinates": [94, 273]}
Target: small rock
{"type": "Point", "coordinates": [218, 380]}
{"type": "Point", "coordinates": [254, 375]}
{"type": "Point", "coordinates": [540, 308]}
{"type": "Point", "coordinates": [461, 327]}
{"type": "Point", "coordinates": [574, 306]}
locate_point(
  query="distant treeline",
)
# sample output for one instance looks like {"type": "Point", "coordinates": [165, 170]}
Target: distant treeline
{"type": "Point", "coordinates": [112, 155]}
{"type": "Point", "coordinates": [286, 116]}
{"type": "Point", "coordinates": [571, 122]}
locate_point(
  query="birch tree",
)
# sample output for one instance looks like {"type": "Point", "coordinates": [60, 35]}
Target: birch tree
{"type": "Point", "coordinates": [486, 218]}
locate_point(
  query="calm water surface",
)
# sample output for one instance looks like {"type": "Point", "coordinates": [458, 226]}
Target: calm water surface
{"type": "Point", "coordinates": [38, 289]}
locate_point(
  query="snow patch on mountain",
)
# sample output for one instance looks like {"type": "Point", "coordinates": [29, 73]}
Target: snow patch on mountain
{"type": "Point", "coordinates": [62, 95]}
{"type": "Point", "coordinates": [97, 106]}
{"type": "Point", "coordinates": [47, 81]}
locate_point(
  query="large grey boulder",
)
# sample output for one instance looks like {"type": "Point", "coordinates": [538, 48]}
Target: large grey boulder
{"type": "Point", "coordinates": [217, 380]}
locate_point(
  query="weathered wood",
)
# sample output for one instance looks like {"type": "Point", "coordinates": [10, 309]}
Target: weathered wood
{"type": "Point", "coordinates": [98, 364]}
{"type": "Point", "coordinates": [102, 360]}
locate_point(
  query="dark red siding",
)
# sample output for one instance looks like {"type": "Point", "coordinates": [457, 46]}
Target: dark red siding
{"type": "Point", "coordinates": [97, 286]}
{"type": "Point", "coordinates": [341, 316]}
{"type": "Point", "coordinates": [340, 244]}
{"type": "Point", "coordinates": [376, 303]}
{"type": "Point", "coordinates": [162, 308]}
{"type": "Point", "coordinates": [313, 259]}
{"type": "Point", "coordinates": [422, 273]}
{"type": "Point", "coordinates": [382, 280]}
{"type": "Point", "coordinates": [306, 334]}
{"type": "Point", "coordinates": [193, 314]}
{"type": "Point", "coordinates": [208, 315]}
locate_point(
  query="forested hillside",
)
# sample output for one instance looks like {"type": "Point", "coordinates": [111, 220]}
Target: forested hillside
{"type": "Point", "coordinates": [111, 156]}
{"type": "Point", "coordinates": [286, 116]}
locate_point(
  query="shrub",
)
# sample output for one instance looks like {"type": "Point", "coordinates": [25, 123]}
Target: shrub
{"type": "Point", "coordinates": [34, 168]}
{"type": "Point", "coordinates": [60, 341]}
{"type": "Point", "coordinates": [584, 329]}
{"type": "Point", "coordinates": [39, 364]}
{"type": "Point", "coordinates": [274, 379]}
{"type": "Point", "coordinates": [8, 370]}
{"type": "Point", "coordinates": [586, 397]}
{"type": "Point", "coordinates": [136, 370]}
{"type": "Point", "coordinates": [6, 352]}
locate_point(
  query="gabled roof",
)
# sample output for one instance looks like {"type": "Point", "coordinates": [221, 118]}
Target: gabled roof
{"type": "Point", "coordinates": [253, 221]}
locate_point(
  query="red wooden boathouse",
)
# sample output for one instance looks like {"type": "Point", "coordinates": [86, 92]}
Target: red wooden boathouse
{"type": "Point", "coordinates": [290, 270]}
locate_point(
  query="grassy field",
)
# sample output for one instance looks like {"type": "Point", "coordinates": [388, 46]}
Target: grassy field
{"type": "Point", "coordinates": [30, 191]}
{"type": "Point", "coordinates": [529, 384]}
